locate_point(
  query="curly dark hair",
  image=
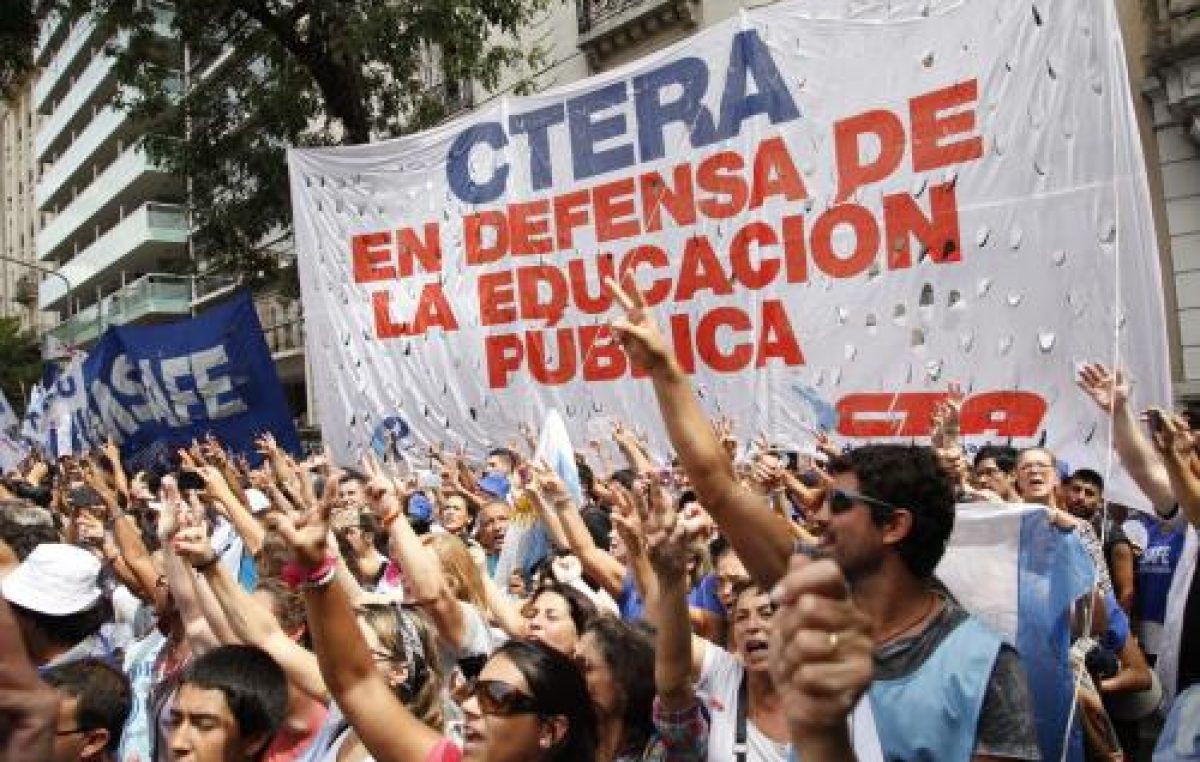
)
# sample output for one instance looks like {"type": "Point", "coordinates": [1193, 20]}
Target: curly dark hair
{"type": "Point", "coordinates": [629, 655]}
{"type": "Point", "coordinates": [909, 477]}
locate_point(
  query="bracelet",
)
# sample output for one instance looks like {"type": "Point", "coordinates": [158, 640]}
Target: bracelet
{"type": "Point", "coordinates": [207, 564]}
{"type": "Point", "coordinates": [318, 583]}
{"type": "Point", "coordinates": [296, 576]}
{"type": "Point", "coordinates": [390, 518]}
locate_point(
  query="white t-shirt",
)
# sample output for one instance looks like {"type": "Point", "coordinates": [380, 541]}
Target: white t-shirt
{"type": "Point", "coordinates": [720, 676]}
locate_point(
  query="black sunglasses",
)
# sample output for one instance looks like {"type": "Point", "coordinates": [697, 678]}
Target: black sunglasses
{"type": "Point", "coordinates": [841, 501]}
{"type": "Point", "coordinates": [502, 700]}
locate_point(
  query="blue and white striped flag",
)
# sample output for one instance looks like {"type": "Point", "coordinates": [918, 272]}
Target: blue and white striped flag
{"type": "Point", "coordinates": [8, 417]}
{"type": "Point", "coordinates": [1010, 567]}
{"type": "Point", "coordinates": [526, 544]}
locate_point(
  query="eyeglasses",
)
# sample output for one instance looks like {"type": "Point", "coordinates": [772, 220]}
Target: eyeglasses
{"type": "Point", "coordinates": [842, 501]}
{"type": "Point", "coordinates": [502, 700]}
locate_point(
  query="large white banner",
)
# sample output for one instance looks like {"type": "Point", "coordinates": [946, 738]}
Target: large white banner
{"type": "Point", "coordinates": [838, 208]}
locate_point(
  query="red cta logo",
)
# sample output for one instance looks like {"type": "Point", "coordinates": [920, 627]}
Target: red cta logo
{"type": "Point", "coordinates": [907, 414]}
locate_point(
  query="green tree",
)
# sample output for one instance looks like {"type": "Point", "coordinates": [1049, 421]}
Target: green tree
{"type": "Point", "coordinates": [21, 367]}
{"type": "Point", "coordinates": [268, 74]}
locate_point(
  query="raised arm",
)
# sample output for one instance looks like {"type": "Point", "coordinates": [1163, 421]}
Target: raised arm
{"type": "Point", "coordinates": [179, 576]}
{"type": "Point", "coordinates": [249, 620]}
{"type": "Point", "coordinates": [598, 564]}
{"type": "Point", "coordinates": [1110, 392]}
{"type": "Point", "coordinates": [389, 731]}
{"type": "Point", "coordinates": [1175, 441]}
{"type": "Point", "coordinates": [759, 536]}
{"type": "Point", "coordinates": [425, 579]}
{"type": "Point", "coordinates": [667, 538]}
{"type": "Point", "coordinates": [251, 532]}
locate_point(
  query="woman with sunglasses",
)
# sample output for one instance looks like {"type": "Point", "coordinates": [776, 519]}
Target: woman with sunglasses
{"type": "Point", "coordinates": [529, 703]}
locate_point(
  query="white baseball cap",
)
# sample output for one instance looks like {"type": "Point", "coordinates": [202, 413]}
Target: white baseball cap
{"type": "Point", "coordinates": [55, 579]}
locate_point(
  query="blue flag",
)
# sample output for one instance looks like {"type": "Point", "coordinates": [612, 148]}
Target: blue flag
{"type": "Point", "coordinates": [156, 388]}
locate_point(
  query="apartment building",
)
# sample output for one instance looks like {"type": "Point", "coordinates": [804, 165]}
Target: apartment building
{"type": "Point", "coordinates": [112, 220]}
{"type": "Point", "coordinates": [1171, 85]}
{"type": "Point", "coordinates": [19, 217]}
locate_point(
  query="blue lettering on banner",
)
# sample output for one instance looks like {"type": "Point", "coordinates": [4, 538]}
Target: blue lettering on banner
{"type": "Point", "coordinates": [596, 121]}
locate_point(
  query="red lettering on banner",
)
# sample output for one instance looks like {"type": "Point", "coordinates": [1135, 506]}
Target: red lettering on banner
{"type": "Point", "coordinates": [776, 338]}
{"type": "Point", "coordinates": [681, 334]}
{"type": "Point", "coordinates": [907, 414]}
{"type": "Point", "coordinates": [604, 360]}
{"type": "Point", "coordinates": [1003, 414]}
{"type": "Point", "coordinates": [577, 275]}
{"type": "Point", "coordinates": [720, 175]}
{"type": "Point", "coordinates": [679, 200]}
{"type": "Point", "coordinates": [539, 365]}
{"type": "Point", "coordinates": [700, 270]}
{"type": "Point", "coordinates": [538, 303]}
{"type": "Point", "coordinates": [616, 212]}
{"type": "Point", "coordinates": [504, 355]}
{"type": "Point", "coordinates": [852, 170]}
{"type": "Point", "coordinates": [659, 289]}
{"type": "Point", "coordinates": [725, 339]}
{"type": "Point", "coordinates": [371, 253]}
{"type": "Point", "coordinates": [478, 252]}
{"type": "Point", "coordinates": [529, 228]}
{"type": "Point", "coordinates": [930, 126]}
{"type": "Point", "coordinates": [866, 241]}
{"type": "Point", "coordinates": [570, 212]}
{"type": "Point", "coordinates": [775, 174]}
{"type": "Point", "coordinates": [795, 252]}
{"type": "Point", "coordinates": [433, 311]}
{"type": "Point", "coordinates": [938, 232]}
{"type": "Point", "coordinates": [745, 271]}
{"type": "Point", "coordinates": [497, 298]}
{"type": "Point", "coordinates": [739, 355]}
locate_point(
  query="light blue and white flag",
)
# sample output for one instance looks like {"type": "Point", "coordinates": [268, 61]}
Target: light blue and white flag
{"type": "Point", "coordinates": [8, 417]}
{"type": "Point", "coordinates": [527, 542]}
{"type": "Point", "coordinates": [1007, 565]}
{"type": "Point", "coordinates": [33, 427]}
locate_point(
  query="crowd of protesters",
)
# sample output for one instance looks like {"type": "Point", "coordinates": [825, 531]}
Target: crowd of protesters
{"type": "Point", "coordinates": [738, 603]}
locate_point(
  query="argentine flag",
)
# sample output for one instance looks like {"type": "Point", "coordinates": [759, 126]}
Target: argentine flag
{"type": "Point", "coordinates": [1011, 568]}
{"type": "Point", "coordinates": [527, 544]}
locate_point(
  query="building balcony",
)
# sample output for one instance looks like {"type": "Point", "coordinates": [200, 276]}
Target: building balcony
{"type": "Point", "coordinates": [132, 176]}
{"type": "Point", "coordinates": [53, 30]}
{"type": "Point", "coordinates": [143, 240]}
{"type": "Point", "coordinates": [105, 138]}
{"type": "Point", "coordinates": [76, 163]}
{"type": "Point", "coordinates": [151, 298]}
{"type": "Point", "coordinates": [72, 111]}
{"type": "Point", "coordinates": [608, 26]}
{"type": "Point", "coordinates": [55, 79]}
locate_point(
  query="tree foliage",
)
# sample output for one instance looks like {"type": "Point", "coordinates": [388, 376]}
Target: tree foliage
{"type": "Point", "coordinates": [22, 365]}
{"type": "Point", "coordinates": [268, 74]}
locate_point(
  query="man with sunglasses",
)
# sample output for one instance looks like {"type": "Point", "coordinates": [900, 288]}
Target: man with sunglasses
{"type": "Point", "coordinates": [945, 687]}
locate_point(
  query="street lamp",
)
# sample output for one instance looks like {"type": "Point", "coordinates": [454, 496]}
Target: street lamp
{"type": "Point", "coordinates": [56, 274]}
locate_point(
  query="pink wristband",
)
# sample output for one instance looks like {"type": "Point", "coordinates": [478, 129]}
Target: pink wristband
{"type": "Point", "coordinates": [295, 575]}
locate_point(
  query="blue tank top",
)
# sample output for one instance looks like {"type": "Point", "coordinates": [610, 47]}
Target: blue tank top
{"type": "Point", "coordinates": [932, 714]}
{"type": "Point", "coordinates": [1156, 567]}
